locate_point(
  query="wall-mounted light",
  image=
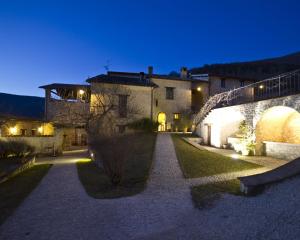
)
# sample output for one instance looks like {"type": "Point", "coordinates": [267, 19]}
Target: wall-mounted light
{"type": "Point", "coordinates": [199, 89]}
{"type": "Point", "coordinates": [81, 92]}
{"type": "Point", "coordinates": [176, 116]}
{"type": "Point", "coordinates": [261, 86]}
{"type": "Point", "coordinates": [13, 130]}
{"type": "Point", "coordinates": [40, 129]}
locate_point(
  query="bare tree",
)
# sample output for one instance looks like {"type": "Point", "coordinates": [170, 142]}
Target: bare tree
{"type": "Point", "coordinates": [101, 121]}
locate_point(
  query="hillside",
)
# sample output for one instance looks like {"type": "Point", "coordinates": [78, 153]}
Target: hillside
{"type": "Point", "coordinates": [22, 106]}
{"type": "Point", "coordinates": [259, 69]}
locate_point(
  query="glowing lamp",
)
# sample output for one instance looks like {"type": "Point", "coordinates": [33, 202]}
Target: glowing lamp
{"type": "Point", "coordinates": [176, 116]}
{"type": "Point", "coordinates": [81, 92]}
{"type": "Point", "coordinates": [40, 129]}
{"type": "Point", "coordinates": [261, 86]}
{"type": "Point", "coordinates": [13, 130]}
{"type": "Point", "coordinates": [199, 89]}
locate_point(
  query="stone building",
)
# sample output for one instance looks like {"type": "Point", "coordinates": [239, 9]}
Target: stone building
{"type": "Point", "coordinates": [22, 119]}
{"type": "Point", "coordinates": [166, 99]}
{"type": "Point", "coordinates": [67, 105]}
{"type": "Point", "coordinates": [272, 113]}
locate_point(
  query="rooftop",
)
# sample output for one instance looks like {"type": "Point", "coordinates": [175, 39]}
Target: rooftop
{"type": "Point", "coordinates": [64, 85]}
{"type": "Point", "coordinates": [125, 80]}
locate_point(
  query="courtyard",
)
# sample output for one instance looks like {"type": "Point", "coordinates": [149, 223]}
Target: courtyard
{"type": "Point", "coordinates": [60, 208]}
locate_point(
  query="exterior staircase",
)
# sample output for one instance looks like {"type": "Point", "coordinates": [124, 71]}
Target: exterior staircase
{"type": "Point", "coordinates": [282, 85]}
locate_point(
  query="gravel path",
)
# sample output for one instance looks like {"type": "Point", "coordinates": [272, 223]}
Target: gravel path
{"type": "Point", "coordinates": [59, 208]}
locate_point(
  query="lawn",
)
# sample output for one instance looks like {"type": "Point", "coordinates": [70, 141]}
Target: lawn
{"type": "Point", "coordinates": [137, 166]}
{"type": "Point", "coordinates": [205, 195]}
{"type": "Point", "coordinates": [16, 189]}
{"type": "Point", "coordinates": [200, 163]}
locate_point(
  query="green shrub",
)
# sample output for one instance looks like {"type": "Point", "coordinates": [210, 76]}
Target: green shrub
{"type": "Point", "coordinates": [144, 124]}
{"type": "Point", "coordinates": [13, 148]}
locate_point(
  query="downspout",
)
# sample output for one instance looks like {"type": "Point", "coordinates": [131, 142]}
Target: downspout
{"type": "Point", "coordinates": [151, 110]}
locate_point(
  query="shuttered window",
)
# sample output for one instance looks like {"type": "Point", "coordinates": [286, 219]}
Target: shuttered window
{"type": "Point", "coordinates": [123, 106]}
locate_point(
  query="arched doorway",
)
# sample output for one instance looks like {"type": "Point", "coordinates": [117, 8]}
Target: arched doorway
{"type": "Point", "coordinates": [161, 119]}
{"type": "Point", "coordinates": [278, 124]}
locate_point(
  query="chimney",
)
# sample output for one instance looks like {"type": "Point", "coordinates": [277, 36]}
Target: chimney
{"type": "Point", "coordinates": [150, 70]}
{"type": "Point", "coordinates": [183, 72]}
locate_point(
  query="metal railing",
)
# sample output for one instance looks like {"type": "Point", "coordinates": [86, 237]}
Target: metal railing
{"type": "Point", "coordinates": [282, 85]}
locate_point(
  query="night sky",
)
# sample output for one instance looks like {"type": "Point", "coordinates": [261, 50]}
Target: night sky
{"type": "Point", "coordinates": [43, 42]}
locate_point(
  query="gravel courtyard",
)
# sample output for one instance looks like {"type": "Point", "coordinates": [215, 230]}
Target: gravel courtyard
{"type": "Point", "coordinates": [59, 208]}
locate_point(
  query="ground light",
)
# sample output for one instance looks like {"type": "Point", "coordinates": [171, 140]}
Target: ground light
{"type": "Point", "coordinates": [234, 156]}
{"type": "Point", "coordinates": [83, 160]}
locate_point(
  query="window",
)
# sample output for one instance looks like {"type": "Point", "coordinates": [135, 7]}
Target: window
{"type": "Point", "coordinates": [123, 106]}
{"type": "Point", "coordinates": [242, 83]}
{"type": "Point", "coordinates": [23, 132]}
{"type": "Point", "coordinates": [176, 116]}
{"type": "Point", "coordinates": [169, 93]}
{"type": "Point", "coordinates": [33, 132]}
{"type": "Point", "coordinates": [223, 84]}
{"type": "Point", "coordinates": [122, 128]}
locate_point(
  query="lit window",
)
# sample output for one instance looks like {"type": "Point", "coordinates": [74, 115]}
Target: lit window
{"type": "Point", "coordinates": [13, 130]}
{"type": "Point", "coordinates": [176, 116]}
{"type": "Point", "coordinates": [40, 129]}
{"type": "Point", "coordinates": [169, 93]}
{"type": "Point", "coordinates": [123, 106]}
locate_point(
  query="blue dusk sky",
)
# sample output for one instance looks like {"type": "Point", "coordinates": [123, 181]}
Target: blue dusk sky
{"type": "Point", "coordinates": [42, 42]}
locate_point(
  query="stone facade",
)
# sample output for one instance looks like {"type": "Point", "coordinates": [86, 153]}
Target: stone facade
{"type": "Point", "coordinates": [66, 112]}
{"type": "Point", "coordinates": [26, 128]}
{"type": "Point", "coordinates": [139, 100]}
{"type": "Point", "coordinates": [181, 102]}
{"type": "Point", "coordinates": [230, 83]}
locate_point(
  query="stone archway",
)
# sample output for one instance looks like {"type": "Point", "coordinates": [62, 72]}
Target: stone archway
{"type": "Point", "coordinates": [161, 119]}
{"type": "Point", "coordinates": [277, 124]}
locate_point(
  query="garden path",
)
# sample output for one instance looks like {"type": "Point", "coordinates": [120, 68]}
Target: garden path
{"type": "Point", "coordinates": [59, 208]}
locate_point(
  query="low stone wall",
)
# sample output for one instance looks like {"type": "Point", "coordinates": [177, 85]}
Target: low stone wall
{"type": "Point", "coordinates": [46, 145]}
{"type": "Point", "coordinates": [288, 151]}
{"type": "Point", "coordinates": [23, 167]}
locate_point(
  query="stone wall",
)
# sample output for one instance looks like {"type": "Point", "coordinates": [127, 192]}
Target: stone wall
{"type": "Point", "coordinates": [66, 112]}
{"type": "Point", "coordinates": [286, 151]}
{"type": "Point", "coordinates": [43, 145]}
{"type": "Point", "coordinates": [138, 100]}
